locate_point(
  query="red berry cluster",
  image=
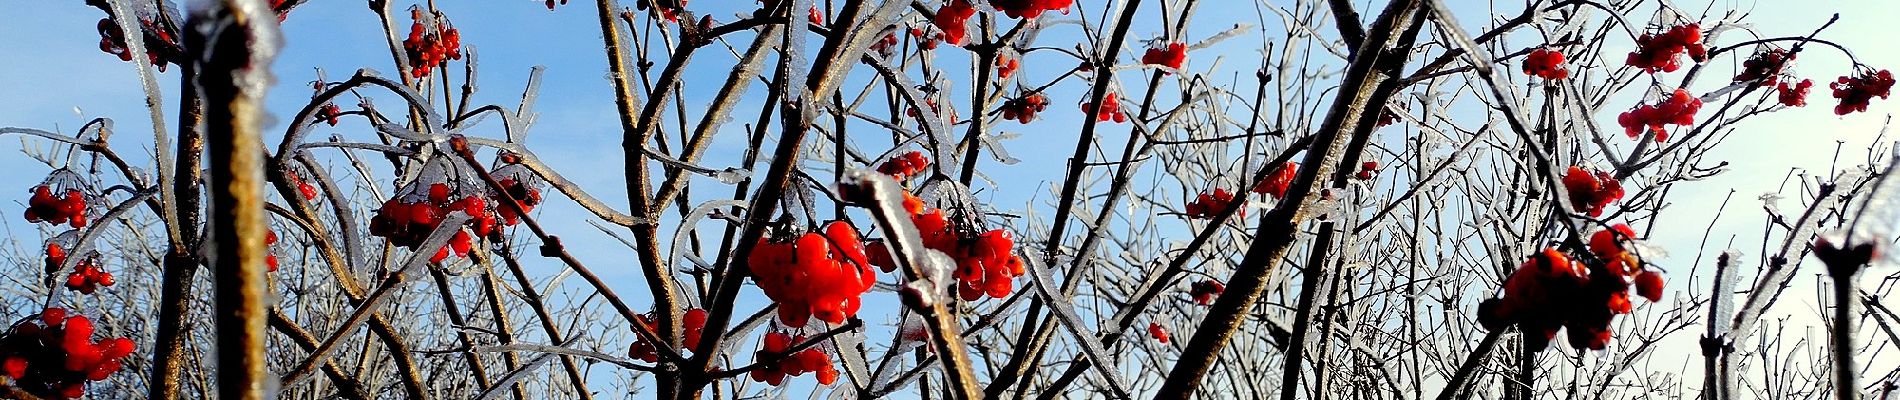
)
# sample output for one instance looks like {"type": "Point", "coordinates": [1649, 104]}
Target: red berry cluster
{"type": "Point", "coordinates": [53, 355]}
{"type": "Point", "coordinates": [67, 209]}
{"type": "Point", "coordinates": [986, 263]}
{"type": "Point", "coordinates": [1206, 291]}
{"type": "Point", "coordinates": [1387, 117]}
{"type": "Point", "coordinates": [1591, 191]}
{"type": "Point", "coordinates": [304, 188]}
{"type": "Point", "coordinates": [1677, 109]}
{"type": "Point", "coordinates": [1857, 91]}
{"type": "Point", "coordinates": [1278, 180]}
{"type": "Point", "coordinates": [1766, 67]}
{"type": "Point", "coordinates": [1170, 55]}
{"type": "Point", "coordinates": [161, 47]}
{"type": "Point", "coordinates": [809, 360]}
{"type": "Point", "coordinates": [270, 242]}
{"type": "Point", "coordinates": [87, 277]}
{"type": "Point", "coordinates": [1006, 66]}
{"type": "Point", "coordinates": [328, 113]}
{"type": "Point", "coordinates": [1551, 291]}
{"type": "Point", "coordinates": [417, 208]}
{"type": "Point", "coordinates": [1111, 110]}
{"type": "Point", "coordinates": [518, 183]}
{"type": "Point", "coordinates": [692, 324]}
{"type": "Point", "coordinates": [924, 38]}
{"type": "Point", "coordinates": [63, 198]}
{"type": "Point", "coordinates": [1157, 332]}
{"type": "Point", "coordinates": [1662, 51]}
{"type": "Point", "coordinates": [884, 46]}
{"type": "Point", "coordinates": [1030, 8]}
{"type": "Point", "coordinates": [432, 41]}
{"type": "Point", "coordinates": [1367, 170]}
{"type": "Point", "coordinates": [1546, 63]}
{"type": "Point", "coordinates": [953, 19]}
{"type": "Point", "coordinates": [56, 255]}
{"type": "Point", "coordinates": [1796, 95]}
{"type": "Point", "coordinates": [551, 4]}
{"type": "Point", "coordinates": [1023, 109]}
{"type": "Point", "coordinates": [905, 165]}
{"type": "Point", "coordinates": [818, 274]}
{"type": "Point", "coordinates": [1209, 204]}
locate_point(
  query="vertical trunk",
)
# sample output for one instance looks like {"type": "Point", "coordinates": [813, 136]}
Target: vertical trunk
{"type": "Point", "coordinates": [234, 75]}
{"type": "Point", "coordinates": [182, 260]}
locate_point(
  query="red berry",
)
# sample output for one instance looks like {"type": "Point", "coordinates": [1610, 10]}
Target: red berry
{"type": "Point", "coordinates": [1649, 284]}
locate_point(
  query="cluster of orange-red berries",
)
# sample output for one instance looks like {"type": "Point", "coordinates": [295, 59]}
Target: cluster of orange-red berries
{"type": "Point", "coordinates": [810, 360]}
{"type": "Point", "coordinates": [1663, 51]}
{"type": "Point", "coordinates": [87, 277]}
{"type": "Point", "coordinates": [1367, 170]}
{"type": "Point", "coordinates": [1793, 95]}
{"type": "Point", "coordinates": [1679, 108]}
{"type": "Point", "coordinates": [161, 47]}
{"type": "Point", "coordinates": [53, 355]}
{"type": "Point", "coordinates": [408, 218]}
{"type": "Point", "coordinates": [1159, 333]}
{"type": "Point", "coordinates": [1024, 109]}
{"type": "Point", "coordinates": [57, 207]}
{"type": "Point", "coordinates": [304, 188]}
{"type": "Point", "coordinates": [905, 165]}
{"type": "Point", "coordinates": [519, 183]}
{"type": "Point", "coordinates": [816, 274]}
{"type": "Point", "coordinates": [328, 112]}
{"type": "Point", "coordinates": [431, 42]}
{"type": "Point", "coordinates": [1545, 63]}
{"type": "Point", "coordinates": [1552, 291]}
{"type": "Point", "coordinates": [1204, 292]}
{"type": "Point", "coordinates": [270, 242]}
{"type": "Point", "coordinates": [1855, 92]}
{"type": "Point", "coordinates": [1006, 65]}
{"type": "Point", "coordinates": [1170, 55]}
{"type": "Point", "coordinates": [883, 46]}
{"type": "Point", "coordinates": [953, 19]}
{"type": "Point", "coordinates": [1111, 110]}
{"type": "Point", "coordinates": [1278, 180]}
{"type": "Point", "coordinates": [986, 261]}
{"type": "Point", "coordinates": [1022, 9]}
{"type": "Point", "coordinates": [1590, 190]}
{"type": "Point", "coordinates": [1210, 204]}
{"type": "Point", "coordinates": [1766, 67]}
{"type": "Point", "coordinates": [692, 324]}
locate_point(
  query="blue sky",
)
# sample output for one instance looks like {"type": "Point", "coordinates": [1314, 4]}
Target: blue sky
{"type": "Point", "coordinates": [56, 78]}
